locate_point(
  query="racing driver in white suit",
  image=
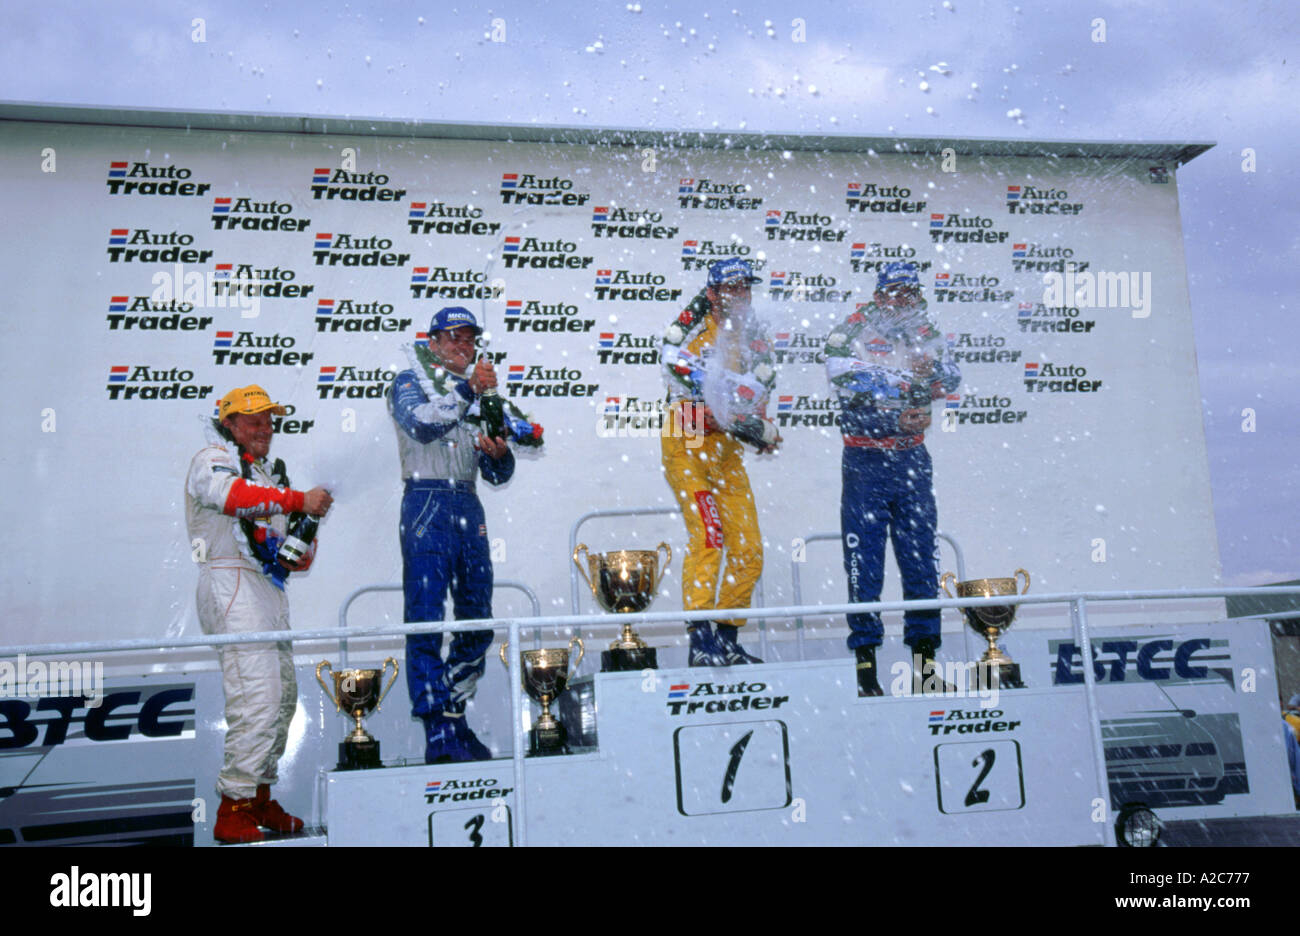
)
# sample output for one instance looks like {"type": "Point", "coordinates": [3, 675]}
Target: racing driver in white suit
{"type": "Point", "coordinates": [237, 508]}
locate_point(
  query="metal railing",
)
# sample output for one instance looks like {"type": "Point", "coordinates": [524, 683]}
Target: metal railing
{"type": "Point", "coordinates": [575, 590]}
{"type": "Point", "coordinates": [1077, 601]}
{"type": "Point", "coordinates": [516, 674]}
{"type": "Point", "coordinates": [388, 587]}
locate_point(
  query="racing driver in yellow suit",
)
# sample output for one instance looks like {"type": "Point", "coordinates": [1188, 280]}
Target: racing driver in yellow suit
{"type": "Point", "coordinates": [718, 368]}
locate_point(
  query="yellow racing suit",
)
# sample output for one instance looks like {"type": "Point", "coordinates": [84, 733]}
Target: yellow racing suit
{"type": "Point", "coordinates": [705, 468]}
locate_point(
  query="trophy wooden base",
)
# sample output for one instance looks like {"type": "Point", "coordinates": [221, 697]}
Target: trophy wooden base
{"type": "Point", "coordinates": [623, 661]}
{"type": "Point", "coordinates": [999, 675]}
{"type": "Point", "coordinates": [545, 742]}
{"type": "Point", "coordinates": [359, 755]}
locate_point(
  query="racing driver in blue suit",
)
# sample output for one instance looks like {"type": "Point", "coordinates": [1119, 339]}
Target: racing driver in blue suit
{"type": "Point", "coordinates": [886, 364]}
{"type": "Point", "coordinates": [437, 407]}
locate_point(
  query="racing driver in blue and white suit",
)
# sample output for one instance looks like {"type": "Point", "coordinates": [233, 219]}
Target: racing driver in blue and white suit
{"type": "Point", "coordinates": [435, 406]}
{"type": "Point", "coordinates": [886, 364]}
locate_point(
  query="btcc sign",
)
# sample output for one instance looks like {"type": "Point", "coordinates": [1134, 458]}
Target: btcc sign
{"type": "Point", "coordinates": [129, 714]}
{"type": "Point", "coordinates": [1164, 659]}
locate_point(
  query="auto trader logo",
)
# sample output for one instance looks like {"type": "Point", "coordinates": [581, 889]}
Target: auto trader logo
{"type": "Point", "coordinates": [713, 698]}
{"type": "Point", "coordinates": [528, 189]}
{"type": "Point", "coordinates": [878, 199]}
{"type": "Point", "coordinates": [439, 218]}
{"type": "Point", "coordinates": [708, 194]}
{"type": "Point", "coordinates": [140, 178]}
{"type": "Point", "coordinates": [1027, 199]}
{"type": "Point", "coordinates": [229, 214]}
{"type": "Point", "coordinates": [341, 185]}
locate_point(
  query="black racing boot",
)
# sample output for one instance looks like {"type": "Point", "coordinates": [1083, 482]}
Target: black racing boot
{"type": "Point", "coordinates": [927, 676]}
{"type": "Point", "coordinates": [726, 639]}
{"type": "Point", "coordinates": [704, 649]}
{"type": "Point", "coordinates": [868, 683]}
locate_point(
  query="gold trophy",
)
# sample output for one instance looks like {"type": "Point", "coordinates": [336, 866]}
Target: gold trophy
{"type": "Point", "coordinates": [624, 582]}
{"type": "Point", "coordinates": [989, 622]}
{"type": "Point", "coordinates": [546, 675]}
{"type": "Point", "coordinates": [357, 692]}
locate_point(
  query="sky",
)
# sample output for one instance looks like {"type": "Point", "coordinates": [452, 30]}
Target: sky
{"type": "Point", "coordinates": [1093, 70]}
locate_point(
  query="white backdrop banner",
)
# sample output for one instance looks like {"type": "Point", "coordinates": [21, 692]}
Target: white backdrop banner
{"type": "Point", "coordinates": [152, 270]}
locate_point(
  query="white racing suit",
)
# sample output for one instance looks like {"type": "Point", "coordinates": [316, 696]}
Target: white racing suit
{"type": "Point", "coordinates": [234, 596]}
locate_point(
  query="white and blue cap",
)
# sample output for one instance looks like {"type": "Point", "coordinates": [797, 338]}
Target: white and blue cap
{"type": "Point", "coordinates": [451, 317]}
{"type": "Point", "coordinates": [732, 270]}
{"type": "Point", "coordinates": [897, 274]}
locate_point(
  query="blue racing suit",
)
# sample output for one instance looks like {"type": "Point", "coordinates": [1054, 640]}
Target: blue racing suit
{"type": "Point", "coordinates": [443, 534]}
{"type": "Point", "coordinates": [880, 372]}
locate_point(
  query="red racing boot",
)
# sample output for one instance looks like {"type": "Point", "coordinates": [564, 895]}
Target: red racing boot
{"type": "Point", "coordinates": [236, 822]}
{"type": "Point", "coordinates": [267, 813]}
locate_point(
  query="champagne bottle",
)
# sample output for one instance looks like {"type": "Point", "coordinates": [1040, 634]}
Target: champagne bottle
{"type": "Point", "coordinates": [493, 414]}
{"type": "Point", "coordinates": [302, 530]}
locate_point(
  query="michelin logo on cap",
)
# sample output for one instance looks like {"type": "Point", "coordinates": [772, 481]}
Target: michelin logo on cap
{"type": "Point", "coordinates": [453, 317]}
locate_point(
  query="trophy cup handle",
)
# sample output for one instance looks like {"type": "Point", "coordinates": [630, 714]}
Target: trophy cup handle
{"type": "Point", "coordinates": [384, 694]}
{"type": "Point", "coordinates": [943, 582]}
{"type": "Point", "coordinates": [325, 664]}
{"type": "Point", "coordinates": [1020, 572]}
{"type": "Point", "coordinates": [581, 651]}
{"type": "Point", "coordinates": [502, 653]}
{"type": "Point", "coordinates": [668, 556]}
{"type": "Point", "coordinates": [582, 548]}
